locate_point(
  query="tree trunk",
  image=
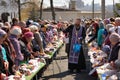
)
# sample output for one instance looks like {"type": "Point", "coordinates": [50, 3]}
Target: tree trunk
{"type": "Point", "coordinates": [103, 8]}
{"type": "Point", "coordinates": [113, 8]}
{"type": "Point", "coordinates": [19, 10]}
{"type": "Point", "coordinates": [93, 9]}
{"type": "Point", "coordinates": [41, 5]}
{"type": "Point", "coordinates": [52, 9]}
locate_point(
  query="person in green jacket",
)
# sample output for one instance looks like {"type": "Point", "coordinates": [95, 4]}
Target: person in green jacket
{"type": "Point", "coordinates": [100, 37]}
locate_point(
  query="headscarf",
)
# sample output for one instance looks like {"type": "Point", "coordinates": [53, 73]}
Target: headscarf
{"type": "Point", "coordinates": [101, 25]}
{"type": "Point", "coordinates": [114, 37]}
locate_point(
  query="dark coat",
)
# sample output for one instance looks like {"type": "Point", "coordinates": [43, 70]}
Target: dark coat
{"type": "Point", "coordinates": [69, 30]}
{"type": "Point", "coordinates": [24, 49]}
{"type": "Point", "coordinates": [114, 53]}
{"type": "Point", "coordinates": [81, 62]}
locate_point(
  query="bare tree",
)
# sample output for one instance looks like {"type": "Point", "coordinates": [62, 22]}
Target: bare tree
{"type": "Point", "coordinates": [93, 12]}
{"type": "Point", "coordinates": [3, 3]}
{"type": "Point", "coordinates": [19, 10]}
{"type": "Point", "coordinates": [29, 2]}
{"type": "Point", "coordinates": [103, 9]}
{"type": "Point", "coordinates": [52, 9]}
{"type": "Point", "coordinates": [41, 6]}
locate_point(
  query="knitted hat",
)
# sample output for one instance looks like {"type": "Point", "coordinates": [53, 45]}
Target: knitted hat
{"type": "Point", "coordinates": [28, 35]}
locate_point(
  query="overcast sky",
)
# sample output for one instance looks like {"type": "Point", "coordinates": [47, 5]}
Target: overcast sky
{"type": "Point", "coordinates": [65, 2]}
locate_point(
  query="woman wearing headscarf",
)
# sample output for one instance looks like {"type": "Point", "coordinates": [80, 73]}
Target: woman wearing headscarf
{"type": "Point", "coordinates": [15, 34]}
{"type": "Point", "coordinates": [43, 34]}
{"type": "Point", "coordinates": [100, 37]}
{"type": "Point", "coordinates": [115, 44]}
{"type": "Point", "coordinates": [106, 22]}
{"type": "Point", "coordinates": [110, 29]}
{"type": "Point", "coordinates": [37, 41]}
{"type": "Point", "coordinates": [26, 45]}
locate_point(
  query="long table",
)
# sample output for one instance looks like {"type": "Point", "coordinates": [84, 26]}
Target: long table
{"type": "Point", "coordinates": [42, 65]}
{"type": "Point", "coordinates": [34, 74]}
{"type": "Point", "coordinates": [100, 75]}
{"type": "Point", "coordinates": [53, 53]}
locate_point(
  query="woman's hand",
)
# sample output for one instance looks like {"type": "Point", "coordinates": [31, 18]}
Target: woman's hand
{"type": "Point", "coordinates": [31, 56]}
{"type": "Point", "coordinates": [6, 65]}
{"type": "Point", "coordinates": [2, 76]}
{"type": "Point", "coordinates": [112, 64]}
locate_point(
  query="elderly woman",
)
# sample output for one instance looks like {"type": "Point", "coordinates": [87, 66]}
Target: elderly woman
{"type": "Point", "coordinates": [110, 29]}
{"type": "Point", "coordinates": [37, 41]}
{"type": "Point", "coordinates": [15, 34]}
{"type": "Point", "coordinates": [26, 45]}
{"type": "Point", "coordinates": [117, 24]}
{"type": "Point", "coordinates": [43, 34]}
{"type": "Point", "coordinates": [106, 21]}
{"type": "Point", "coordinates": [115, 44]}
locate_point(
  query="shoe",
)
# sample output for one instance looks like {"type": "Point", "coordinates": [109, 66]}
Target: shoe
{"type": "Point", "coordinates": [78, 71]}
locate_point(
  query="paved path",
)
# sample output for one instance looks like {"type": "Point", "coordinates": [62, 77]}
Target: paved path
{"type": "Point", "coordinates": [58, 70]}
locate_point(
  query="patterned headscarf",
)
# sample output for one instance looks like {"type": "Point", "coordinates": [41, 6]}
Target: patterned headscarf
{"type": "Point", "coordinates": [114, 37]}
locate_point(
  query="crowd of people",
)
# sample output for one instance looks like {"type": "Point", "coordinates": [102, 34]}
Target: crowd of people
{"type": "Point", "coordinates": [22, 41]}
{"type": "Point", "coordinates": [106, 34]}
{"type": "Point", "coordinates": [104, 38]}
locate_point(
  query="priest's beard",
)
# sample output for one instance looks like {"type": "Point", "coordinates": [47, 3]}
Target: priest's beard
{"type": "Point", "coordinates": [77, 26]}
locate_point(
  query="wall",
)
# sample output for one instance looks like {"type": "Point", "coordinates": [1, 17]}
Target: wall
{"type": "Point", "coordinates": [69, 15]}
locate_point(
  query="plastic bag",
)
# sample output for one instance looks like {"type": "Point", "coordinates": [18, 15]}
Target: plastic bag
{"type": "Point", "coordinates": [76, 47]}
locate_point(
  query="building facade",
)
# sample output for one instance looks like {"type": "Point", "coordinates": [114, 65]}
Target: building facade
{"type": "Point", "coordinates": [66, 14]}
{"type": "Point", "coordinates": [8, 10]}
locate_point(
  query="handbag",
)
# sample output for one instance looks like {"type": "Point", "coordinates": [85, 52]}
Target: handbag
{"type": "Point", "coordinates": [76, 48]}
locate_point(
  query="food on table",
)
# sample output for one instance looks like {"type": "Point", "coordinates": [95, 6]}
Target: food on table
{"type": "Point", "coordinates": [113, 77]}
{"type": "Point", "coordinates": [17, 73]}
{"type": "Point", "coordinates": [14, 77]}
{"type": "Point", "coordinates": [27, 72]}
{"type": "Point", "coordinates": [49, 45]}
